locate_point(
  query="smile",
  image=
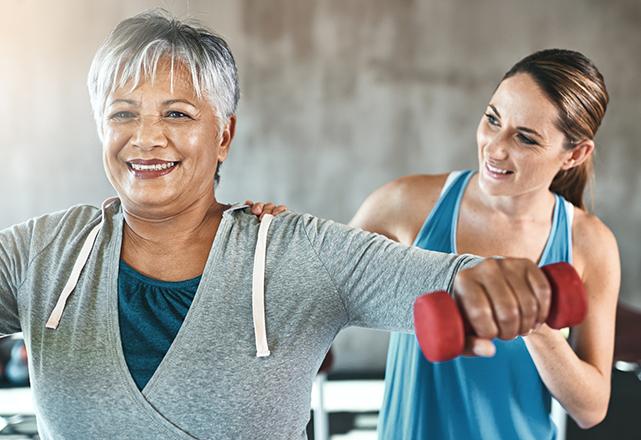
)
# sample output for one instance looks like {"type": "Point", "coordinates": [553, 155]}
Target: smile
{"type": "Point", "coordinates": [497, 171]}
{"type": "Point", "coordinates": [150, 169]}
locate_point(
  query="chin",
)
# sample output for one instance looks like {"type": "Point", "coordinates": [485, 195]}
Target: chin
{"type": "Point", "coordinates": [493, 188]}
{"type": "Point", "coordinates": [145, 200]}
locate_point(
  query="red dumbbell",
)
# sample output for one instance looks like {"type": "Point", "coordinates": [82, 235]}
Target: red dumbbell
{"type": "Point", "coordinates": [441, 330]}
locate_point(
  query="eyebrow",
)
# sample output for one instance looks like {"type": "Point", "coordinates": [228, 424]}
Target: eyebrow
{"type": "Point", "coordinates": [525, 129]}
{"type": "Point", "coordinates": [126, 101]}
{"type": "Point", "coordinates": [168, 102]}
{"type": "Point", "coordinates": [529, 130]}
{"type": "Point", "coordinates": [173, 101]}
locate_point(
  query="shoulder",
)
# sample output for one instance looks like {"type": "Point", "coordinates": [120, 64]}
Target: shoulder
{"type": "Point", "coordinates": [24, 242]}
{"type": "Point", "coordinates": [595, 247]}
{"type": "Point", "coordinates": [66, 224]}
{"type": "Point", "coordinates": [75, 217]}
{"type": "Point", "coordinates": [398, 208]}
{"type": "Point", "coordinates": [69, 220]}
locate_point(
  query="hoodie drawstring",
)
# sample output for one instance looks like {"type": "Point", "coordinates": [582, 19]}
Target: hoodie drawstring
{"type": "Point", "coordinates": [56, 314]}
{"type": "Point", "coordinates": [258, 280]}
{"type": "Point", "coordinates": [258, 288]}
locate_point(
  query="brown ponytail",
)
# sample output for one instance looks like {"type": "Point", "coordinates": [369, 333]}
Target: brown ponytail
{"type": "Point", "coordinates": [577, 89]}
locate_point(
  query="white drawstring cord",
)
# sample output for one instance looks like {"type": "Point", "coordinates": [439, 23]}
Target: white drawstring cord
{"type": "Point", "coordinates": [258, 288]}
{"type": "Point", "coordinates": [56, 314]}
{"type": "Point", "coordinates": [258, 281]}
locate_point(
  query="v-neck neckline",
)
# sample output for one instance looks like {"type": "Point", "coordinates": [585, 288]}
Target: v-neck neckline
{"type": "Point", "coordinates": [457, 208]}
{"type": "Point", "coordinates": [114, 320]}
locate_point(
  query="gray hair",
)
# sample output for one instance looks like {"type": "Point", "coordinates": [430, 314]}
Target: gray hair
{"type": "Point", "coordinates": [134, 48]}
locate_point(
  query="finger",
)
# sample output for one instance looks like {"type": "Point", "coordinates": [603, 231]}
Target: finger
{"type": "Point", "coordinates": [249, 203]}
{"type": "Point", "coordinates": [279, 209]}
{"type": "Point", "coordinates": [541, 288]}
{"type": "Point", "coordinates": [475, 346]}
{"type": "Point", "coordinates": [258, 208]}
{"type": "Point", "coordinates": [500, 294]}
{"type": "Point", "coordinates": [527, 301]}
{"type": "Point", "coordinates": [474, 304]}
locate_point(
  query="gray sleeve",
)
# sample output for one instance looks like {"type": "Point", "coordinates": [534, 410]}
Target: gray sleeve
{"type": "Point", "coordinates": [377, 278]}
{"type": "Point", "coordinates": [15, 243]}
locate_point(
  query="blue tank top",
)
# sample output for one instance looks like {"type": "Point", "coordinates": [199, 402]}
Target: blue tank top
{"type": "Point", "coordinates": [469, 398]}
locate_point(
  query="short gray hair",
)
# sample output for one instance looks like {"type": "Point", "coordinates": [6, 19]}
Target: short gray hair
{"type": "Point", "coordinates": [133, 49]}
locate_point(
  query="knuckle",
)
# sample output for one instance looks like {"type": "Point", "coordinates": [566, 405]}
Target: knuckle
{"type": "Point", "coordinates": [487, 332]}
{"type": "Point", "coordinates": [478, 314]}
{"type": "Point", "coordinates": [491, 264]}
{"type": "Point", "coordinates": [507, 315]}
{"type": "Point", "coordinates": [530, 308]}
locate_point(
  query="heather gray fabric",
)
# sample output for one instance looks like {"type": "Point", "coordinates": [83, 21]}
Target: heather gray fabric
{"type": "Point", "coordinates": [321, 277]}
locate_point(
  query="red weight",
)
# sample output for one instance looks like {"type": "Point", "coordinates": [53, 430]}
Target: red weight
{"type": "Point", "coordinates": [439, 326]}
{"type": "Point", "coordinates": [569, 304]}
{"type": "Point", "coordinates": [441, 331]}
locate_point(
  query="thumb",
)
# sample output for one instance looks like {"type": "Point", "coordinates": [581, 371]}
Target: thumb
{"type": "Point", "coordinates": [475, 346]}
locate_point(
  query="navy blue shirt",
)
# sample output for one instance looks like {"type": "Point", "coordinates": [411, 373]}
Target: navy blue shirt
{"type": "Point", "coordinates": [151, 313]}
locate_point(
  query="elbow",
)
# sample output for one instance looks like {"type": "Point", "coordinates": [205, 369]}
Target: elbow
{"type": "Point", "coordinates": [593, 418]}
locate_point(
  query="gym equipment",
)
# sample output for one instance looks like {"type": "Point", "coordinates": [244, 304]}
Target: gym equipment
{"type": "Point", "coordinates": [17, 370]}
{"type": "Point", "coordinates": [441, 328]}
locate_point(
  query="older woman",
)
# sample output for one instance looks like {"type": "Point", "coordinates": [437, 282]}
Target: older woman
{"type": "Point", "coordinates": [167, 314]}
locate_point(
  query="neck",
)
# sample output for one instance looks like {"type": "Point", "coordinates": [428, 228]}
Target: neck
{"type": "Point", "coordinates": [194, 225]}
{"type": "Point", "coordinates": [531, 206]}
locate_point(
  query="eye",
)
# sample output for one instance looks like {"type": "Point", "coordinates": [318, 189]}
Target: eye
{"type": "Point", "coordinates": [173, 114]}
{"type": "Point", "coordinates": [525, 140]}
{"type": "Point", "coordinates": [122, 115]}
{"type": "Point", "coordinates": [491, 119]}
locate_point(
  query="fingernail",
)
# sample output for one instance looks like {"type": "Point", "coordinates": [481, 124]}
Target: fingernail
{"type": "Point", "coordinates": [482, 351]}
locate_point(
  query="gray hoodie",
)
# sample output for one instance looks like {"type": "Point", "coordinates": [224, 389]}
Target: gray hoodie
{"type": "Point", "coordinates": [320, 277]}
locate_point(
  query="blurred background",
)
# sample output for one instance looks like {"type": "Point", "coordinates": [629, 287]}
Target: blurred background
{"type": "Point", "coordinates": [338, 97]}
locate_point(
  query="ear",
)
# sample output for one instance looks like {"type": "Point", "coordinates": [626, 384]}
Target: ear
{"type": "Point", "coordinates": [579, 154]}
{"type": "Point", "coordinates": [229, 130]}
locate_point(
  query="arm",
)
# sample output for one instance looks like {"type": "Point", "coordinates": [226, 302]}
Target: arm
{"type": "Point", "coordinates": [14, 254]}
{"type": "Point", "coordinates": [378, 279]}
{"type": "Point", "coordinates": [398, 210]}
{"type": "Point", "coordinates": [579, 378]}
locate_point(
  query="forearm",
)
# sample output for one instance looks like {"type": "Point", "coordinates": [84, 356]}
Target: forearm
{"type": "Point", "coordinates": [582, 389]}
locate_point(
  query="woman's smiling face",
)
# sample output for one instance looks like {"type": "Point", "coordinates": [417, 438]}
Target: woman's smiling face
{"type": "Point", "coordinates": [520, 147]}
{"type": "Point", "coordinates": [162, 144]}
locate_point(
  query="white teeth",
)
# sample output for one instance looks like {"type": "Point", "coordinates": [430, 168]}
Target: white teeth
{"type": "Point", "coordinates": [155, 167]}
{"type": "Point", "coordinates": [496, 170]}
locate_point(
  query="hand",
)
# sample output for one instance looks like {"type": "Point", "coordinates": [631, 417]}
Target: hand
{"type": "Point", "coordinates": [259, 209]}
{"type": "Point", "coordinates": [501, 298]}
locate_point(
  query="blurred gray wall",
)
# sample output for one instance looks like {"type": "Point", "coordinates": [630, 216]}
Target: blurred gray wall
{"type": "Point", "coordinates": [338, 97]}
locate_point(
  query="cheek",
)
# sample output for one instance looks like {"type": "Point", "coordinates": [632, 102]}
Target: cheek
{"type": "Point", "coordinates": [482, 136]}
{"type": "Point", "coordinates": [202, 144]}
{"type": "Point", "coordinates": [113, 142]}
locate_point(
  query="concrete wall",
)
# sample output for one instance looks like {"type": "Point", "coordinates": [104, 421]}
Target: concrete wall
{"type": "Point", "coordinates": [338, 97]}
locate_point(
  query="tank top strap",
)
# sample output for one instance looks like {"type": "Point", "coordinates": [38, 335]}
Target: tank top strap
{"type": "Point", "coordinates": [436, 231]}
{"type": "Point", "coordinates": [559, 244]}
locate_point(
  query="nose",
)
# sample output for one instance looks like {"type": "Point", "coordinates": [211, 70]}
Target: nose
{"type": "Point", "coordinates": [496, 148]}
{"type": "Point", "coordinates": [149, 133]}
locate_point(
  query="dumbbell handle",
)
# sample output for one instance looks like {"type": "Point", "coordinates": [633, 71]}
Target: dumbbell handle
{"type": "Point", "coordinates": [440, 328]}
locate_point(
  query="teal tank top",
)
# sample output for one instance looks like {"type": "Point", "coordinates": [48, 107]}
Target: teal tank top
{"type": "Point", "coordinates": [469, 398]}
{"type": "Point", "coordinates": [150, 313]}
